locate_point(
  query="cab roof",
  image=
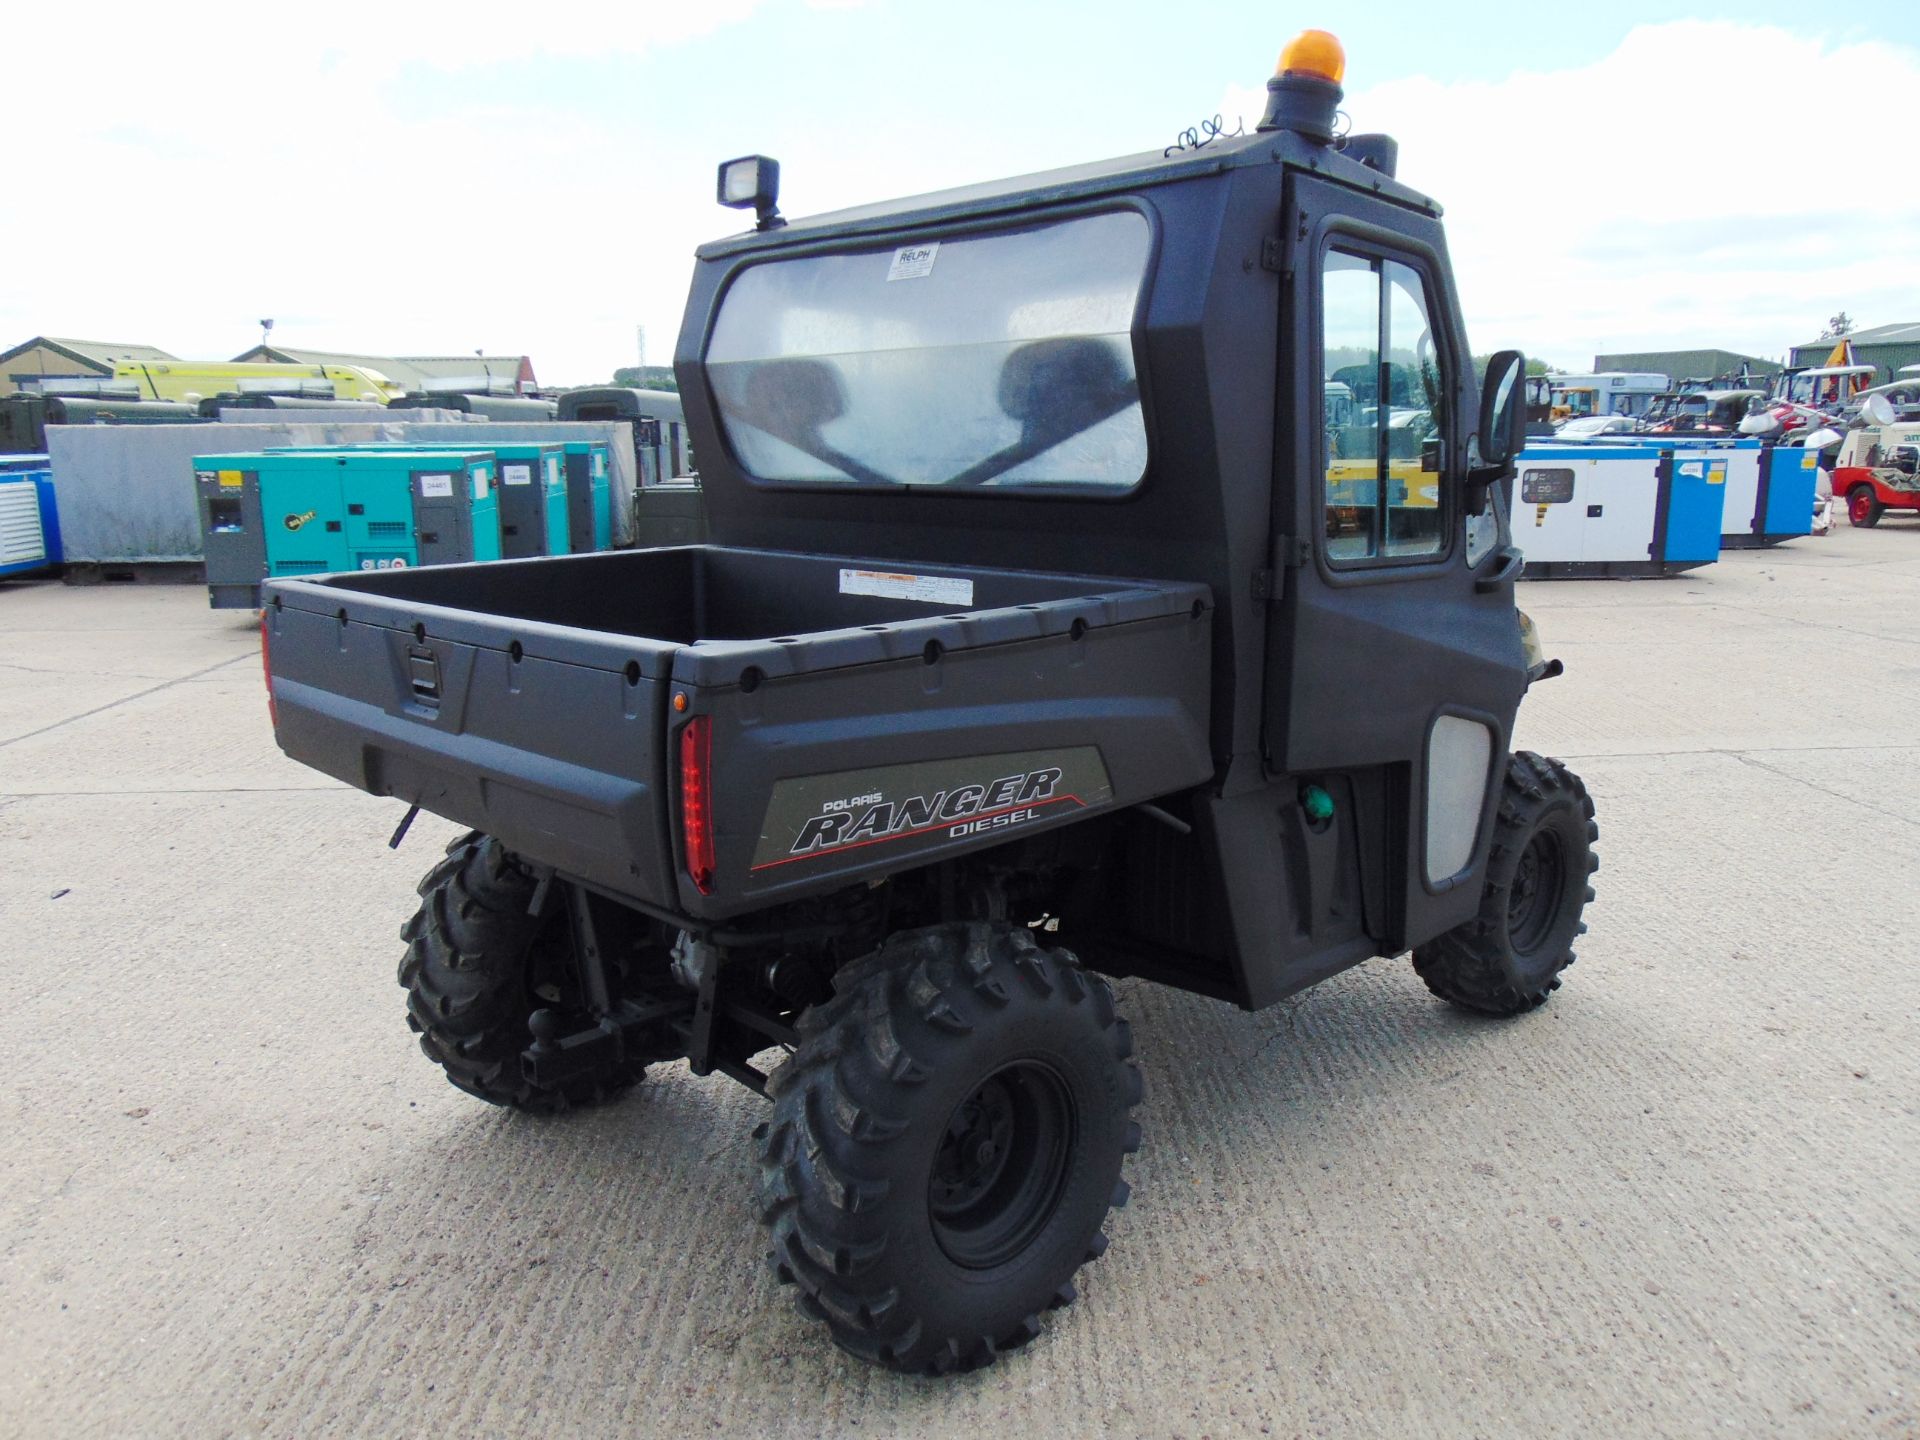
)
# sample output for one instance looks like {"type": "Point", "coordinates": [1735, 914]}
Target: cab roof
{"type": "Point", "coordinates": [1075, 182]}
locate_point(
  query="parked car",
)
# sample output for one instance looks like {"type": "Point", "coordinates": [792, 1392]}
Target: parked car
{"type": "Point", "coordinates": [1587, 427]}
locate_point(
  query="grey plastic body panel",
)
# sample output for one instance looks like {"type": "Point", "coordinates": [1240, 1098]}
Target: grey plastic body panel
{"type": "Point", "coordinates": [1285, 676]}
{"type": "Point", "coordinates": [552, 723]}
{"type": "Point", "coordinates": [670, 513]}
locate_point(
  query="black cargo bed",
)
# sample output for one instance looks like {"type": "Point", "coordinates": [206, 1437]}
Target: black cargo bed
{"type": "Point", "coordinates": [537, 699]}
{"type": "Point", "coordinates": [786, 612]}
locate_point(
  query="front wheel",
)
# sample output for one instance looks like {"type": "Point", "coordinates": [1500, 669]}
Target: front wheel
{"type": "Point", "coordinates": [1507, 959]}
{"type": "Point", "coordinates": [946, 1143]}
{"type": "Point", "coordinates": [1863, 507]}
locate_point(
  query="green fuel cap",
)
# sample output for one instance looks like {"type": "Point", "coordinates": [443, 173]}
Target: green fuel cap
{"type": "Point", "coordinates": [1317, 803]}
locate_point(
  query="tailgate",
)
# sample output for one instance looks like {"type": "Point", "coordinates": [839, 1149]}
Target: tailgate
{"type": "Point", "coordinates": [546, 736]}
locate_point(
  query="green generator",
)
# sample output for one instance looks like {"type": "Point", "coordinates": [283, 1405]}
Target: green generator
{"type": "Point", "coordinates": [311, 512]}
{"type": "Point", "coordinates": [527, 511]}
{"type": "Point", "coordinates": [589, 494]}
{"type": "Point", "coordinates": [539, 514]}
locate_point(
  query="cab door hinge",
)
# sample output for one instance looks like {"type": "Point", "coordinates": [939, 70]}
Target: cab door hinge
{"type": "Point", "coordinates": [1288, 554]}
{"type": "Point", "coordinates": [1273, 254]}
{"type": "Point", "coordinates": [1292, 553]}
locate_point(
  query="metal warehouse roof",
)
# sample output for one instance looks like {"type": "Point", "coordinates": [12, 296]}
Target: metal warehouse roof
{"type": "Point", "coordinates": [1905, 333]}
{"type": "Point", "coordinates": [407, 370]}
{"type": "Point", "coordinates": [107, 353]}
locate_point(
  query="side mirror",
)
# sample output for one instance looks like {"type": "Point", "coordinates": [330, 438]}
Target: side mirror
{"type": "Point", "coordinates": [1879, 412]}
{"type": "Point", "coordinates": [1502, 431]}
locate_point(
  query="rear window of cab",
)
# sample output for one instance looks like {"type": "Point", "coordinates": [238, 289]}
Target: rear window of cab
{"type": "Point", "coordinates": [999, 361]}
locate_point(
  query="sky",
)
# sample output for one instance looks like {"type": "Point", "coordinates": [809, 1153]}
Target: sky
{"type": "Point", "coordinates": [533, 178]}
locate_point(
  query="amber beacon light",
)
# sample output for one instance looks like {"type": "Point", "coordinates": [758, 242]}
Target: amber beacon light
{"type": "Point", "coordinates": [1304, 93]}
{"type": "Point", "coordinates": [1314, 52]}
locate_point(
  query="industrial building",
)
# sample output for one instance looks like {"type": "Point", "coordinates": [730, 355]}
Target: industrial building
{"type": "Point", "coordinates": [45, 358]}
{"type": "Point", "coordinates": [412, 371]}
{"type": "Point", "coordinates": [1889, 347]}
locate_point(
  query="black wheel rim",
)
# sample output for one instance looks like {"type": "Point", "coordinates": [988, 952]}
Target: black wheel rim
{"type": "Point", "coordinates": [1533, 900]}
{"type": "Point", "coordinates": [1001, 1165]}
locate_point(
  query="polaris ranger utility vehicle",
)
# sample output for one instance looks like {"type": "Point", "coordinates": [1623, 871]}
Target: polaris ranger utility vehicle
{"type": "Point", "coordinates": [1032, 646]}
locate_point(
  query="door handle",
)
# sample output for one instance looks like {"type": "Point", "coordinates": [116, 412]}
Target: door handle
{"type": "Point", "coordinates": [1504, 573]}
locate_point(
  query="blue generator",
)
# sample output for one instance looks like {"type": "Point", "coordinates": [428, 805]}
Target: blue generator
{"type": "Point", "coordinates": [29, 521]}
{"type": "Point", "coordinates": [1789, 479]}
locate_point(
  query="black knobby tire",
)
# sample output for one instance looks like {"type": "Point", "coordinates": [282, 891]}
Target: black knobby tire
{"type": "Point", "coordinates": [1507, 959]}
{"type": "Point", "coordinates": [478, 965]}
{"type": "Point", "coordinates": [946, 1143]}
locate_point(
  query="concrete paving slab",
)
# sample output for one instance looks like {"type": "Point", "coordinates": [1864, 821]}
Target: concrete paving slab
{"type": "Point", "coordinates": [68, 651]}
{"type": "Point", "coordinates": [1680, 1199]}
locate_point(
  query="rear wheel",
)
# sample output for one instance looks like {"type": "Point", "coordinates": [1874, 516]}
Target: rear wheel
{"type": "Point", "coordinates": [1507, 959]}
{"type": "Point", "coordinates": [946, 1143]}
{"type": "Point", "coordinates": [478, 965]}
{"type": "Point", "coordinates": [1863, 507]}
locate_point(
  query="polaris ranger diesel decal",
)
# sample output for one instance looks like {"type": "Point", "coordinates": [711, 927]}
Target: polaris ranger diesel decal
{"type": "Point", "coordinates": [983, 795]}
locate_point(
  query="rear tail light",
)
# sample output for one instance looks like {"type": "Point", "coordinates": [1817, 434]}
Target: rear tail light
{"type": "Point", "coordinates": [266, 666]}
{"type": "Point", "coordinates": [696, 800]}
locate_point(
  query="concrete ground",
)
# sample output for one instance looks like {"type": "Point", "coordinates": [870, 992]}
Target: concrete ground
{"type": "Point", "coordinates": [1682, 1199]}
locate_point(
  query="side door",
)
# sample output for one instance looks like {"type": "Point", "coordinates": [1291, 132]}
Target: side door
{"type": "Point", "coordinates": [1398, 648]}
{"type": "Point", "coordinates": [442, 515]}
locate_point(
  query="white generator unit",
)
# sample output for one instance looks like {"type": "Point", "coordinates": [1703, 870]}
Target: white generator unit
{"type": "Point", "coordinates": [1615, 511]}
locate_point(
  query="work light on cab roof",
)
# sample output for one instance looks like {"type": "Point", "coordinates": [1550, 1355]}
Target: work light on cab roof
{"type": "Point", "coordinates": [752, 182]}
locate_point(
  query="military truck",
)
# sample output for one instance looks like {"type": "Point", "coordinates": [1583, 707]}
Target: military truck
{"type": "Point", "coordinates": [1030, 649]}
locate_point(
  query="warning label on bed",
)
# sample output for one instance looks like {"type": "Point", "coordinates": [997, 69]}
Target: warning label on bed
{"type": "Point", "coordinates": [933, 589]}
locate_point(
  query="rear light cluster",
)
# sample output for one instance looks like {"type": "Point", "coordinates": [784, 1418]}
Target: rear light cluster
{"type": "Point", "coordinates": [696, 800]}
{"type": "Point", "coordinates": [266, 666]}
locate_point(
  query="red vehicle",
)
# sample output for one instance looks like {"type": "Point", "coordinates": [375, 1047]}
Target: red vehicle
{"type": "Point", "coordinates": [1878, 468]}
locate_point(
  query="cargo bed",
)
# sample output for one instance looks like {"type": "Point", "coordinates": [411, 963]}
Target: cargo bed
{"type": "Point", "coordinates": [859, 715]}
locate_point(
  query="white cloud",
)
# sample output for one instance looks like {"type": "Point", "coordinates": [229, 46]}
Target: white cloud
{"type": "Point", "coordinates": [203, 175]}
{"type": "Point", "coordinates": [1706, 184]}
{"type": "Point", "coordinates": [200, 176]}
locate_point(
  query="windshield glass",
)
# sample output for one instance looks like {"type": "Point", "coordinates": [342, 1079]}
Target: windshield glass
{"type": "Point", "coordinates": [1000, 361]}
